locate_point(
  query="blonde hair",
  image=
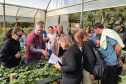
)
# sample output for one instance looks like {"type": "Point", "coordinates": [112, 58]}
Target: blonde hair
{"type": "Point", "coordinates": [56, 33]}
{"type": "Point", "coordinates": [81, 35]}
{"type": "Point", "coordinates": [67, 39]}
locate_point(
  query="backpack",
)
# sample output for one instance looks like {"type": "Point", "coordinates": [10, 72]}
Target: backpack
{"type": "Point", "coordinates": [100, 66]}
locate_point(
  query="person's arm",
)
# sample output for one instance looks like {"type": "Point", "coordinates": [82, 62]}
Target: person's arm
{"type": "Point", "coordinates": [53, 44]}
{"type": "Point", "coordinates": [71, 63]}
{"type": "Point", "coordinates": [90, 56]}
{"type": "Point", "coordinates": [45, 40]}
{"type": "Point", "coordinates": [5, 56]}
{"type": "Point", "coordinates": [117, 49]}
{"type": "Point", "coordinates": [34, 50]}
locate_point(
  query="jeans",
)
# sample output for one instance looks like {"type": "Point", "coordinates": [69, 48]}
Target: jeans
{"type": "Point", "coordinates": [111, 76]}
{"type": "Point", "coordinates": [49, 51]}
{"type": "Point", "coordinates": [29, 61]}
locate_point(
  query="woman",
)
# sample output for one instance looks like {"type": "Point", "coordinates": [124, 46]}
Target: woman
{"type": "Point", "coordinates": [56, 49]}
{"type": "Point", "coordinates": [23, 41]}
{"type": "Point", "coordinates": [88, 57]}
{"type": "Point", "coordinates": [9, 50]}
{"type": "Point", "coordinates": [88, 31]}
{"type": "Point", "coordinates": [71, 61]}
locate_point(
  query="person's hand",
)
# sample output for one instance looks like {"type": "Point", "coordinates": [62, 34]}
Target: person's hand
{"type": "Point", "coordinates": [91, 76]}
{"type": "Point", "coordinates": [48, 38]}
{"type": "Point", "coordinates": [45, 53]}
{"type": "Point", "coordinates": [24, 46]}
{"type": "Point", "coordinates": [42, 57]}
{"type": "Point", "coordinates": [57, 65]}
{"type": "Point", "coordinates": [18, 55]}
{"type": "Point", "coordinates": [120, 63]}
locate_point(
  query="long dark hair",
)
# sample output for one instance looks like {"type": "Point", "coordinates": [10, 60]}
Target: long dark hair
{"type": "Point", "coordinates": [10, 31]}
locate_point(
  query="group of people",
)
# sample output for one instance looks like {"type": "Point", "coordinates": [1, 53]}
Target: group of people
{"type": "Point", "coordinates": [78, 59]}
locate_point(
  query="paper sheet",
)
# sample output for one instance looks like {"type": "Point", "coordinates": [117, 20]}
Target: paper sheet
{"type": "Point", "coordinates": [53, 59]}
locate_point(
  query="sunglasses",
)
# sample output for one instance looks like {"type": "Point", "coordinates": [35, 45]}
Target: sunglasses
{"type": "Point", "coordinates": [19, 35]}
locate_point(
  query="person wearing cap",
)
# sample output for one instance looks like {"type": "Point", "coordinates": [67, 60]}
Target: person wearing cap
{"type": "Point", "coordinates": [121, 30]}
{"type": "Point", "coordinates": [34, 44]}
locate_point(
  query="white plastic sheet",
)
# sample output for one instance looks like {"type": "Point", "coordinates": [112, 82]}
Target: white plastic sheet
{"type": "Point", "coordinates": [36, 8]}
{"type": "Point", "coordinates": [66, 7]}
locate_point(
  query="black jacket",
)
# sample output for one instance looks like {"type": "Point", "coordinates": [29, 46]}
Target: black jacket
{"type": "Point", "coordinates": [72, 63]}
{"type": "Point", "coordinates": [8, 50]}
{"type": "Point", "coordinates": [89, 59]}
{"type": "Point", "coordinates": [123, 30]}
{"type": "Point", "coordinates": [122, 34]}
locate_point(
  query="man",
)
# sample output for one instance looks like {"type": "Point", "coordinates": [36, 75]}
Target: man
{"type": "Point", "coordinates": [34, 43]}
{"type": "Point", "coordinates": [121, 30]}
{"type": "Point", "coordinates": [50, 35]}
{"type": "Point", "coordinates": [93, 37]}
{"type": "Point", "coordinates": [44, 35]}
{"type": "Point", "coordinates": [110, 47]}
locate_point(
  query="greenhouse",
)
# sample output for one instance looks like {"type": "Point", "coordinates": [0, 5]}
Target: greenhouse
{"type": "Point", "coordinates": [32, 11]}
{"type": "Point", "coordinates": [52, 13]}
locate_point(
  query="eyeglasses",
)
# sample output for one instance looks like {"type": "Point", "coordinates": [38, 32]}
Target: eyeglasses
{"type": "Point", "coordinates": [19, 35]}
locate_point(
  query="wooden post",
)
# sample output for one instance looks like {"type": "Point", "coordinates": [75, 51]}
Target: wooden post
{"type": "Point", "coordinates": [59, 20]}
{"type": "Point", "coordinates": [81, 19]}
{"type": "Point", "coordinates": [34, 22]}
{"type": "Point", "coordinates": [68, 25]}
{"type": "Point", "coordinates": [4, 26]}
{"type": "Point", "coordinates": [16, 20]}
{"type": "Point", "coordinates": [12, 76]}
{"type": "Point", "coordinates": [44, 20]}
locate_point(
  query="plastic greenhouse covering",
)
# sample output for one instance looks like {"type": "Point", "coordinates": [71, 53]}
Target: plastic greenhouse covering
{"type": "Point", "coordinates": [27, 10]}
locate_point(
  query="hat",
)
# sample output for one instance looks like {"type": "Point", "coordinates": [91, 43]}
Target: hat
{"type": "Point", "coordinates": [118, 22]}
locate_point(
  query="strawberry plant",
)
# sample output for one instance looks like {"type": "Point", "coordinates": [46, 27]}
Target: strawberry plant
{"type": "Point", "coordinates": [23, 68]}
{"type": "Point", "coordinates": [27, 73]}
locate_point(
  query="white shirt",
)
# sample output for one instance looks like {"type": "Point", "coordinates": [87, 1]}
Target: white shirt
{"type": "Point", "coordinates": [49, 42]}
